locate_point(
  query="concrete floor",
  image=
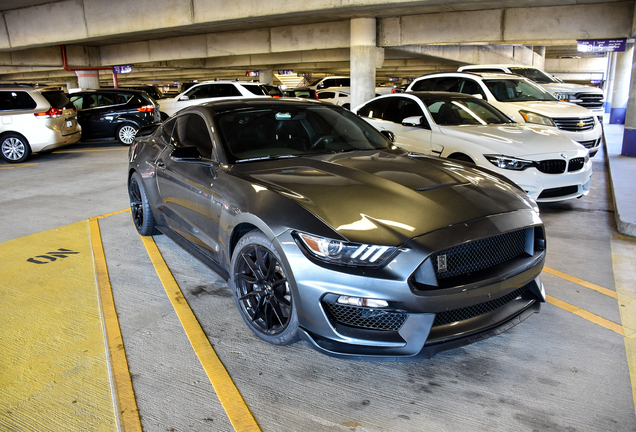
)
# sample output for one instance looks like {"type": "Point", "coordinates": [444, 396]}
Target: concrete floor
{"type": "Point", "coordinates": [557, 371]}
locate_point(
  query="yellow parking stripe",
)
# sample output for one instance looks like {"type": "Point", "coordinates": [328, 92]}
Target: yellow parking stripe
{"type": "Point", "coordinates": [53, 366]}
{"type": "Point", "coordinates": [113, 213]}
{"type": "Point", "coordinates": [581, 282]}
{"type": "Point", "coordinates": [18, 166]}
{"type": "Point", "coordinates": [586, 315]}
{"type": "Point", "coordinates": [229, 396]}
{"type": "Point", "coordinates": [124, 395]}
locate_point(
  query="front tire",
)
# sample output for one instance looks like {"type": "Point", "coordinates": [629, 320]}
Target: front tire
{"type": "Point", "coordinates": [14, 148]}
{"type": "Point", "coordinates": [262, 291]}
{"type": "Point", "coordinates": [140, 207]}
{"type": "Point", "coordinates": [126, 133]}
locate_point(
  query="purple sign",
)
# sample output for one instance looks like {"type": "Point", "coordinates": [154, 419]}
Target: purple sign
{"type": "Point", "coordinates": [601, 45]}
{"type": "Point", "coordinates": [122, 69]}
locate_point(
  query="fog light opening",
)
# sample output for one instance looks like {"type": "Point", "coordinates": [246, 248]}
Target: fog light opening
{"type": "Point", "coordinates": [365, 302]}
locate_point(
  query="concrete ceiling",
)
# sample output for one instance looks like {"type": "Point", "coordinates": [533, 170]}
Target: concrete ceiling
{"type": "Point", "coordinates": [390, 9]}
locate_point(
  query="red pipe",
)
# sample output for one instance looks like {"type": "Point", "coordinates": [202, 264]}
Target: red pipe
{"type": "Point", "coordinates": [69, 69]}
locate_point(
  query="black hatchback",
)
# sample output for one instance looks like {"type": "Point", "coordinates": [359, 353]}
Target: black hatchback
{"type": "Point", "coordinates": [114, 113]}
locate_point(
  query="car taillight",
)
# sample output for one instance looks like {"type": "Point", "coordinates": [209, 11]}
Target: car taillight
{"type": "Point", "coordinates": [52, 112]}
{"type": "Point", "coordinates": [146, 108]}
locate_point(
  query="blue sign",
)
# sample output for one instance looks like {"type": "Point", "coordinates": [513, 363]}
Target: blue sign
{"type": "Point", "coordinates": [122, 69]}
{"type": "Point", "coordinates": [601, 45]}
{"type": "Point", "coordinates": [286, 72]}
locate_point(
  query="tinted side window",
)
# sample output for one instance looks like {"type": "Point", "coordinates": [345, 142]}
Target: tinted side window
{"type": "Point", "coordinates": [57, 99]}
{"type": "Point", "coordinates": [471, 87]}
{"type": "Point", "coordinates": [449, 84]}
{"type": "Point", "coordinates": [166, 130]}
{"type": "Point", "coordinates": [424, 85]}
{"type": "Point", "coordinates": [199, 92]}
{"type": "Point", "coordinates": [343, 82]}
{"type": "Point", "coordinates": [252, 88]}
{"type": "Point", "coordinates": [326, 95]}
{"type": "Point", "coordinates": [373, 109]}
{"type": "Point", "coordinates": [122, 98]}
{"type": "Point", "coordinates": [191, 130]}
{"type": "Point", "coordinates": [16, 100]}
{"type": "Point", "coordinates": [224, 90]}
{"type": "Point", "coordinates": [77, 101]}
{"type": "Point", "coordinates": [397, 109]}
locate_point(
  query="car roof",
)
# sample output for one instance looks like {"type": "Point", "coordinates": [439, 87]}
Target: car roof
{"type": "Point", "coordinates": [473, 74]}
{"type": "Point", "coordinates": [111, 90]}
{"type": "Point", "coordinates": [428, 95]}
{"type": "Point", "coordinates": [226, 105]}
{"type": "Point", "coordinates": [229, 82]}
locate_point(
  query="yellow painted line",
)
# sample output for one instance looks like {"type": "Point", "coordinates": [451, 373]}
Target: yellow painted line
{"type": "Point", "coordinates": [578, 281]}
{"type": "Point", "coordinates": [112, 214]}
{"type": "Point", "coordinates": [624, 266]}
{"type": "Point", "coordinates": [586, 315]}
{"type": "Point", "coordinates": [53, 366]}
{"type": "Point", "coordinates": [125, 402]}
{"type": "Point", "coordinates": [229, 396]}
{"type": "Point", "coordinates": [19, 166]}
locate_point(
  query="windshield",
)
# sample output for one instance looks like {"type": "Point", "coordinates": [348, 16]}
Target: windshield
{"type": "Point", "coordinates": [293, 130]}
{"type": "Point", "coordinates": [516, 90]}
{"type": "Point", "coordinates": [447, 112]}
{"type": "Point", "coordinates": [533, 74]}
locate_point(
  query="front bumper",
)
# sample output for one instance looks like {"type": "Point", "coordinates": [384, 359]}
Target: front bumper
{"type": "Point", "coordinates": [423, 316]}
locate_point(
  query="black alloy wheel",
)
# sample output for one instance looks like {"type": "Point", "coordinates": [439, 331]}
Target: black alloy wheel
{"type": "Point", "coordinates": [262, 291]}
{"type": "Point", "coordinates": [140, 207]}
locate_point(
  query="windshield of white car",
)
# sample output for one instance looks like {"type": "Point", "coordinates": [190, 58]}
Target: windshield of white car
{"type": "Point", "coordinates": [449, 112]}
{"type": "Point", "coordinates": [535, 75]}
{"type": "Point", "coordinates": [513, 90]}
{"type": "Point", "coordinates": [294, 130]}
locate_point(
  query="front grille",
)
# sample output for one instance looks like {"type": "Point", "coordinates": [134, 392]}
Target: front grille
{"type": "Point", "coordinates": [366, 318]}
{"type": "Point", "coordinates": [574, 124]}
{"type": "Point", "coordinates": [463, 314]}
{"type": "Point", "coordinates": [590, 100]}
{"type": "Point", "coordinates": [479, 254]}
{"type": "Point", "coordinates": [560, 191]}
{"type": "Point", "coordinates": [589, 144]}
{"type": "Point", "coordinates": [551, 166]}
{"type": "Point", "coordinates": [576, 164]}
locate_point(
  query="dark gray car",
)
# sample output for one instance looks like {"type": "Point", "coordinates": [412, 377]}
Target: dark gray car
{"type": "Point", "coordinates": [329, 233]}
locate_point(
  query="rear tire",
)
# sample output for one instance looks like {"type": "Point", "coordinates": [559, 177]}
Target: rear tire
{"type": "Point", "coordinates": [126, 133]}
{"type": "Point", "coordinates": [14, 148]}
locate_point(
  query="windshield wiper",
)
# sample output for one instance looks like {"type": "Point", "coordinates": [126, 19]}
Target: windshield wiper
{"type": "Point", "coordinates": [278, 156]}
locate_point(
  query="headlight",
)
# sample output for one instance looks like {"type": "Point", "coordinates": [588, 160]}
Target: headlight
{"type": "Point", "coordinates": [507, 162]}
{"type": "Point", "coordinates": [531, 117]}
{"type": "Point", "coordinates": [566, 97]}
{"type": "Point", "coordinates": [344, 253]}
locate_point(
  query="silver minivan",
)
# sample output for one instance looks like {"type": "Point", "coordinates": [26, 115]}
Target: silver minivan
{"type": "Point", "coordinates": [34, 120]}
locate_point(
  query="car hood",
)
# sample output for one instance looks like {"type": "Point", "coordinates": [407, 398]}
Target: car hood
{"type": "Point", "coordinates": [570, 88]}
{"type": "Point", "coordinates": [513, 140]}
{"type": "Point", "coordinates": [385, 197]}
{"type": "Point", "coordinates": [554, 109]}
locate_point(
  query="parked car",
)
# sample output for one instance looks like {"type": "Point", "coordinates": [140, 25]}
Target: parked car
{"type": "Point", "coordinates": [329, 233]}
{"type": "Point", "coordinates": [152, 90]}
{"type": "Point", "coordinates": [330, 82]}
{"type": "Point", "coordinates": [586, 96]}
{"type": "Point", "coordinates": [114, 113]}
{"type": "Point", "coordinates": [545, 164]}
{"type": "Point", "coordinates": [522, 100]}
{"type": "Point", "coordinates": [335, 97]}
{"type": "Point", "coordinates": [35, 120]}
{"type": "Point", "coordinates": [273, 91]}
{"type": "Point", "coordinates": [212, 90]}
{"type": "Point", "coordinates": [301, 92]}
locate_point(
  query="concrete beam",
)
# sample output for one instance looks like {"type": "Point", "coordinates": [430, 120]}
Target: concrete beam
{"type": "Point", "coordinates": [582, 65]}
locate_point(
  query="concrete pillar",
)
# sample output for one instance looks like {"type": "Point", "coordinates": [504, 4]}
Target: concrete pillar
{"type": "Point", "coordinates": [609, 82]}
{"type": "Point", "coordinates": [541, 51]}
{"type": "Point", "coordinates": [266, 76]}
{"type": "Point", "coordinates": [72, 83]}
{"type": "Point", "coordinates": [620, 94]}
{"type": "Point", "coordinates": [363, 59]}
{"type": "Point", "coordinates": [88, 79]}
{"type": "Point", "coordinates": [629, 135]}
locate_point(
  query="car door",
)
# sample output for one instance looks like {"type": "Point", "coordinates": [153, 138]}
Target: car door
{"type": "Point", "coordinates": [190, 205]}
{"type": "Point", "coordinates": [96, 114]}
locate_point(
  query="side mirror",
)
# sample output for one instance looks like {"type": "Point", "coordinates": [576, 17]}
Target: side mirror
{"type": "Point", "coordinates": [390, 135]}
{"type": "Point", "coordinates": [186, 154]}
{"type": "Point", "coordinates": [184, 98]}
{"type": "Point", "coordinates": [412, 121]}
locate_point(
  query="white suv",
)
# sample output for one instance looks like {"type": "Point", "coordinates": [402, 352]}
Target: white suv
{"type": "Point", "coordinates": [35, 120]}
{"type": "Point", "coordinates": [212, 90]}
{"type": "Point", "coordinates": [522, 100]}
{"type": "Point", "coordinates": [586, 96]}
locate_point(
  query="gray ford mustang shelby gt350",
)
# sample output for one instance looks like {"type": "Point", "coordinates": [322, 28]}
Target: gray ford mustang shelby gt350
{"type": "Point", "coordinates": [328, 232]}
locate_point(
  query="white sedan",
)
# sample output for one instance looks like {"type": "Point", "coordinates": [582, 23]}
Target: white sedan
{"type": "Point", "coordinates": [546, 164]}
